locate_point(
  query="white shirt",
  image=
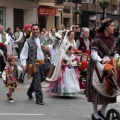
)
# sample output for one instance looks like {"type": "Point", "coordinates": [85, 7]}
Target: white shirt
{"type": "Point", "coordinates": [96, 57]}
{"type": "Point", "coordinates": [60, 31]}
{"type": "Point", "coordinates": [54, 53]}
{"type": "Point", "coordinates": [20, 36]}
{"type": "Point", "coordinates": [24, 52]}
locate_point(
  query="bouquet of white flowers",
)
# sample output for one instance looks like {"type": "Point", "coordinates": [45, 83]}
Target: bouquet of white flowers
{"type": "Point", "coordinates": [58, 36]}
{"type": "Point", "coordinates": [76, 64]}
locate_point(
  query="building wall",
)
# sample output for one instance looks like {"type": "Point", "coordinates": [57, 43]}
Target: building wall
{"type": "Point", "coordinates": [28, 7]}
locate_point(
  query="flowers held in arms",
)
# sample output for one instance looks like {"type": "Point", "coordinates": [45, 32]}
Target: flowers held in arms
{"type": "Point", "coordinates": [76, 64]}
{"type": "Point", "coordinates": [58, 36]}
{"type": "Point", "coordinates": [104, 1]}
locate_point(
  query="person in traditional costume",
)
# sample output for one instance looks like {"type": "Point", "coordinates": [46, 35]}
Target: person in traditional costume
{"type": "Point", "coordinates": [10, 75]}
{"type": "Point", "coordinates": [103, 45]}
{"type": "Point", "coordinates": [55, 53]}
{"type": "Point", "coordinates": [66, 84]}
{"type": "Point", "coordinates": [10, 44]}
{"type": "Point", "coordinates": [4, 41]}
{"type": "Point", "coordinates": [68, 41]}
{"type": "Point", "coordinates": [83, 66]}
{"type": "Point", "coordinates": [84, 43]}
{"type": "Point", "coordinates": [33, 60]}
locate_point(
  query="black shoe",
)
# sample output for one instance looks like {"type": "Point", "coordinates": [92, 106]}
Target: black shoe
{"type": "Point", "coordinates": [20, 80]}
{"type": "Point", "coordinates": [30, 96]}
{"type": "Point", "coordinates": [93, 118]}
{"type": "Point", "coordinates": [40, 103]}
{"type": "Point", "coordinates": [101, 115]}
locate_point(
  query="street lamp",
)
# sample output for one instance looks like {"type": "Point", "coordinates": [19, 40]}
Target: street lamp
{"type": "Point", "coordinates": [76, 2]}
{"type": "Point", "coordinates": [36, 6]}
{"type": "Point", "coordinates": [104, 4]}
{"type": "Point", "coordinates": [76, 9]}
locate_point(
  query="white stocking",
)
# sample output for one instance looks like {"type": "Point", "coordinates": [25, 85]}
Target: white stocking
{"type": "Point", "coordinates": [103, 109]}
{"type": "Point", "coordinates": [95, 111]}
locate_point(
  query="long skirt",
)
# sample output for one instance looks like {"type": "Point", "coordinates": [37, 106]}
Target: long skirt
{"type": "Point", "coordinates": [92, 94]}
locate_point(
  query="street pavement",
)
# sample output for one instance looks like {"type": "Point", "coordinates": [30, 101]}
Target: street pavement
{"type": "Point", "coordinates": [55, 108]}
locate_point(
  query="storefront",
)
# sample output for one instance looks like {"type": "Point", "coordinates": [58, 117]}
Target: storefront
{"type": "Point", "coordinates": [48, 17]}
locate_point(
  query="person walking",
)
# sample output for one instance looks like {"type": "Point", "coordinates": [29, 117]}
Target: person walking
{"type": "Point", "coordinates": [27, 31]}
{"type": "Point", "coordinates": [10, 75]}
{"type": "Point", "coordinates": [4, 42]}
{"type": "Point", "coordinates": [33, 55]}
{"type": "Point", "coordinates": [103, 45]}
{"type": "Point", "coordinates": [19, 41]}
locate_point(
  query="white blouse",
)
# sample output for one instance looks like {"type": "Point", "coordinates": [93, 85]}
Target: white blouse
{"type": "Point", "coordinates": [96, 57]}
{"type": "Point", "coordinates": [24, 52]}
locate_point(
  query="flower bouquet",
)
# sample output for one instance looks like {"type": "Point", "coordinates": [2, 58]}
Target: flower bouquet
{"type": "Point", "coordinates": [57, 36]}
{"type": "Point", "coordinates": [76, 64]}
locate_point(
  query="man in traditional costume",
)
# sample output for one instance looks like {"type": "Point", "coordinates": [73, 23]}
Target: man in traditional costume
{"type": "Point", "coordinates": [32, 60]}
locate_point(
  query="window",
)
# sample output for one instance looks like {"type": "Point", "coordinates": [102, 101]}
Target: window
{"type": "Point", "coordinates": [59, 2]}
{"type": "Point", "coordinates": [3, 16]}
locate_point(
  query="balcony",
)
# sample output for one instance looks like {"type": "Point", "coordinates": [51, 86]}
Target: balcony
{"type": "Point", "coordinates": [113, 9]}
{"type": "Point", "coordinates": [49, 3]}
{"type": "Point", "coordinates": [70, 3]}
{"type": "Point", "coordinates": [88, 7]}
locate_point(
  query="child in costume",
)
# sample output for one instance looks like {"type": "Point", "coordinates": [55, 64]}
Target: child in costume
{"type": "Point", "coordinates": [67, 84]}
{"type": "Point", "coordinates": [10, 75]}
{"type": "Point", "coordinates": [84, 65]}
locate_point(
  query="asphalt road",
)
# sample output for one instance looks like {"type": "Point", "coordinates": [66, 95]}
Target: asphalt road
{"type": "Point", "coordinates": [55, 108]}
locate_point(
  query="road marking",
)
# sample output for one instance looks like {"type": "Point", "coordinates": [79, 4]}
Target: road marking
{"type": "Point", "coordinates": [118, 98]}
{"type": "Point", "coordinates": [86, 116]}
{"type": "Point", "coordinates": [24, 114]}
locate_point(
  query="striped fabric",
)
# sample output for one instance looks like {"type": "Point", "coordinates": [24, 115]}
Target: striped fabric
{"type": "Point", "coordinates": [10, 75]}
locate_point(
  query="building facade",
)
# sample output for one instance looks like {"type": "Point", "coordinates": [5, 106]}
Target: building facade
{"type": "Point", "coordinates": [15, 13]}
{"type": "Point", "coordinates": [63, 15]}
{"type": "Point", "coordinates": [53, 13]}
{"type": "Point", "coordinates": [92, 12]}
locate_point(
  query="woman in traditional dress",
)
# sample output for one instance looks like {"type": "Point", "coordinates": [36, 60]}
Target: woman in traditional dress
{"type": "Point", "coordinates": [103, 45]}
{"type": "Point", "coordinates": [67, 84]}
{"type": "Point", "coordinates": [68, 41]}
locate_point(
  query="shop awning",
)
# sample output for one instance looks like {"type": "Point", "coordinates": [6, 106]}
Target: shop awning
{"type": "Point", "coordinates": [47, 11]}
